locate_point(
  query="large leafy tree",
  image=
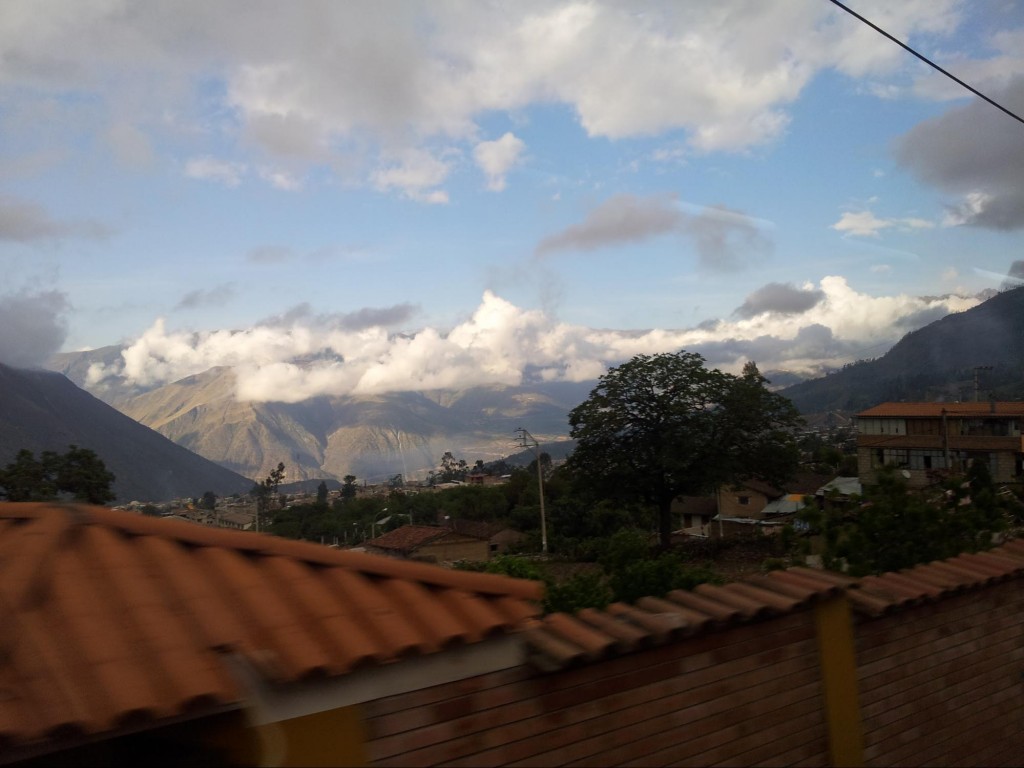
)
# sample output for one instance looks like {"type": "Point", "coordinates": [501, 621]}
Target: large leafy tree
{"type": "Point", "coordinates": [79, 474]}
{"type": "Point", "coordinates": [266, 490]}
{"type": "Point", "coordinates": [662, 426]}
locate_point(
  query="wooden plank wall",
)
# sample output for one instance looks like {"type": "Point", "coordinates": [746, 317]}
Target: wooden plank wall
{"type": "Point", "coordinates": [939, 684]}
{"type": "Point", "coordinates": [740, 697]}
{"type": "Point", "coordinates": [943, 684]}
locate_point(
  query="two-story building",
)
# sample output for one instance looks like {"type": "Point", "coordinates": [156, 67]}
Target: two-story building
{"type": "Point", "coordinates": [922, 438]}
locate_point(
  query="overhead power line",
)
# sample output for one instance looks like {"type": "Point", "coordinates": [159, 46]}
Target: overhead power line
{"type": "Point", "coordinates": [929, 62]}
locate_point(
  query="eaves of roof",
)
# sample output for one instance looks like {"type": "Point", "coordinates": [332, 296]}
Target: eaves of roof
{"type": "Point", "coordinates": [113, 619]}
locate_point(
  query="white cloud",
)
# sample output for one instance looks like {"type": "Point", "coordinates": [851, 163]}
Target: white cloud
{"type": "Point", "coordinates": [497, 158]}
{"type": "Point", "coordinates": [861, 223]}
{"type": "Point", "coordinates": [33, 326]}
{"type": "Point", "coordinates": [350, 84]}
{"type": "Point", "coordinates": [281, 180]}
{"type": "Point", "coordinates": [416, 174]}
{"type": "Point", "coordinates": [866, 224]}
{"type": "Point", "coordinates": [211, 169]}
{"type": "Point", "coordinates": [501, 342]}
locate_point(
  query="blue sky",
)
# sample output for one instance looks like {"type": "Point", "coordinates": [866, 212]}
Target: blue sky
{"type": "Point", "coordinates": [446, 193]}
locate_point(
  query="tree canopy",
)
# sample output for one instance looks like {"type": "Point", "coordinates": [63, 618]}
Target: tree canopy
{"type": "Point", "coordinates": [265, 491]}
{"type": "Point", "coordinates": [79, 473]}
{"type": "Point", "coordinates": [662, 426]}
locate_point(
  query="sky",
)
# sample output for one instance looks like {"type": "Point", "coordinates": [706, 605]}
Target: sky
{"type": "Point", "coordinates": [357, 197]}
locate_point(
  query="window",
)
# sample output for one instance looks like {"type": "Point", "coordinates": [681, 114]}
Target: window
{"type": "Point", "coordinates": [882, 426]}
{"type": "Point", "coordinates": [744, 500]}
{"type": "Point", "coordinates": [990, 427]}
{"type": "Point", "coordinates": [921, 459]}
{"type": "Point", "coordinates": [924, 427]}
{"type": "Point", "coordinates": [890, 456]}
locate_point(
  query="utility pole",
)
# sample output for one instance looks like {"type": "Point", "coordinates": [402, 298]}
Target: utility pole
{"type": "Point", "coordinates": [976, 369]}
{"type": "Point", "coordinates": [526, 440]}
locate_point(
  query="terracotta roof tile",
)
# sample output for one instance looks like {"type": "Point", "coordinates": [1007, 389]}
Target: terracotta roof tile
{"type": "Point", "coordinates": [660, 626]}
{"type": "Point", "coordinates": [711, 608]}
{"type": "Point", "coordinates": [594, 644]}
{"type": "Point", "coordinates": [477, 529]}
{"type": "Point", "coordinates": [715, 610]}
{"type": "Point", "coordinates": [925, 410]}
{"type": "Point", "coordinates": [748, 608]}
{"type": "Point", "coordinates": [689, 621]}
{"type": "Point", "coordinates": [112, 618]}
{"type": "Point", "coordinates": [408, 537]}
{"type": "Point", "coordinates": [626, 636]}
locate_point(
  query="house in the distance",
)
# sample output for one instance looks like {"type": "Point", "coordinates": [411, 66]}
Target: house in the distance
{"type": "Point", "coordinates": [755, 505]}
{"type": "Point", "coordinates": [499, 537]}
{"type": "Point", "coordinates": [922, 439]}
{"type": "Point", "coordinates": [431, 543]}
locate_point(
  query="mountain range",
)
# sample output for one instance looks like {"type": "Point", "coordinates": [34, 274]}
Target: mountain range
{"type": "Point", "coordinates": [371, 437]}
{"type": "Point", "coordinates": [42, 410]}
{"type": "Point", "coordinates": [976, 353]}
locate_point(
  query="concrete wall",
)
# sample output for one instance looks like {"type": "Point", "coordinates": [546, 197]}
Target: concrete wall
{"type": "Point", "coordinates": [729, 502]}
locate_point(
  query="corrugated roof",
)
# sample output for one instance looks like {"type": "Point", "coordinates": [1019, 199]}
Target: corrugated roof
{"type": "Point", "coordinates": [912, 410]}
{"type": "Point", "coordinates": [558, 641]}
{"type": "Point", "coordinates": [112, 618]}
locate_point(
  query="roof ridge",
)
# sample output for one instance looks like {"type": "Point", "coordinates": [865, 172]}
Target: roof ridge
{"type": "Point", "coordinates": [313, 553]}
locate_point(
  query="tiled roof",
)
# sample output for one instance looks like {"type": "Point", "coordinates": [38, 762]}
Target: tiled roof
{"type": "Point", "coordinates": [911, 410]}
{"type": "Point", "coordinates": [476, 529]}
{"type": "Point", "coordinates": [560, 640]}
{"type": "Point", "coordinates": [113, 619]}
{"type": "Point", "coordinates": [759, 486]}
{"type": "Point", "coordinates": [808, 483]}
{"type": "Point", "coordinates": [408, 537]}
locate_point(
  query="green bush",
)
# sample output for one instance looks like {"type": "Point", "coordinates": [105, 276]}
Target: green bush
{"type": "Point", "coordinates": [656, 577]}
{"type": "Point", "coordinates": [582, 590]}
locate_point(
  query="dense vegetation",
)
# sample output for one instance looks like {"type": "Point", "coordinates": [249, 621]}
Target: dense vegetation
{"type": "Point", "coordinates": [662, 426]}
{"type": "Point", "coordinates": [939, 360]}
{"type": "Point", "coordinates": [893, 527]}
{"type": "Point", "coordinates": [78, 474]}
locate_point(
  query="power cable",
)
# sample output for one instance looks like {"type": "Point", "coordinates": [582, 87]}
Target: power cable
{"type": "Point", "coordinates": [929, 62]}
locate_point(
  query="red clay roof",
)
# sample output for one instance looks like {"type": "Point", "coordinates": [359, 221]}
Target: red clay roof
{"type": "Point", "coordinates": [476, 529]}
{"type": "Point", "coordinates": [924, 410]}
{"type": "Point", "coordinates": [560, 640]}
{"type": "Point", "coordinates": [111, 618]}
{"type": "Point", "coordinates": [408, 537]}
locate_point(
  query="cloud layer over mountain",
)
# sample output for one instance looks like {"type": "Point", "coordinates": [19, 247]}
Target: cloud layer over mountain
{"type": "Point", "coordinates": [301, 355]}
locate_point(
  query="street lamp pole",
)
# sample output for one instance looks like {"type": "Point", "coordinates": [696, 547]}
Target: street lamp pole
{"type": "Point", "coordinates": [525, 439]}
